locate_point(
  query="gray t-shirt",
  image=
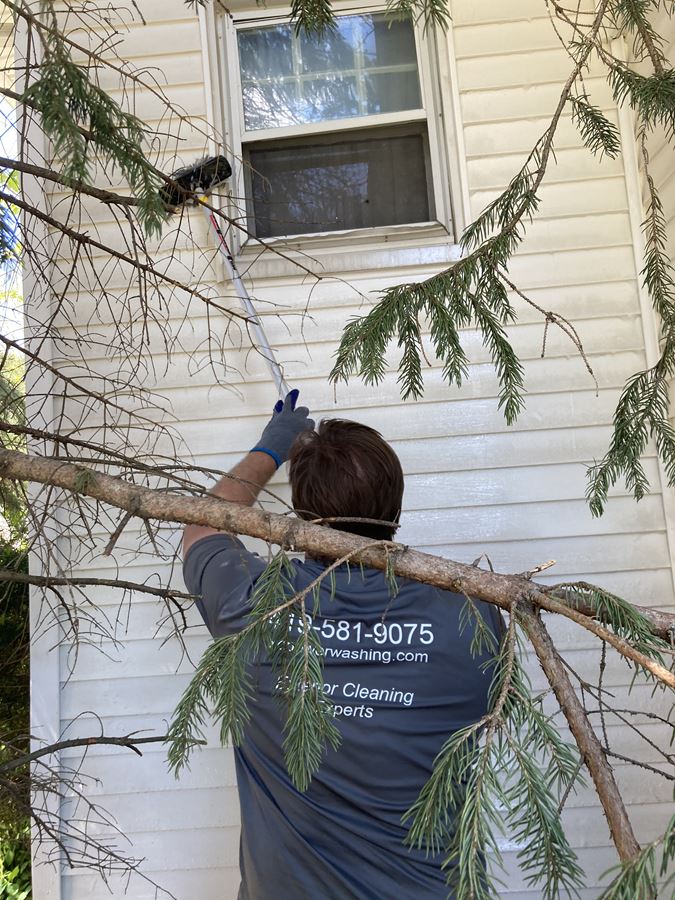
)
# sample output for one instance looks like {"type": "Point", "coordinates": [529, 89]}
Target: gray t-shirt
{"type": "Point", "coordinates": [401, 677]}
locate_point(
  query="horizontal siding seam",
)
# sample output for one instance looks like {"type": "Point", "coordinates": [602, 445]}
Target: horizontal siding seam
{"type": "Point", "coordinates": [561, 537]}
{"type": "Point", "coordinates": [478, 123]}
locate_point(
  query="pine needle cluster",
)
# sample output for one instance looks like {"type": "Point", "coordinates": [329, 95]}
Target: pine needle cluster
{"type": "Point", "coordinates": [632, 19]}
{"type": "Point", "coordinates": [651, 96]}
{"type": "Point", "coordinates": [469, 294]}
{"type": "Point", "coordinates": [85, 124]}
{"type": "Point", "coordinates": [639, 877]}
{"type": "Point", "coordinates": [621, 617]}
{"type": "Point", "coordinates": [598, 133]}
{"type": "Point", "coordinates": [507, 772]}
{"type": "Point", "coordinates": [313, 16]}
{"type": "Point", "coordinates": [432, 13]}
{"type": "Point", "coordinates": [280, 634]}
{"type": "Point", "coordinates": [643, 411]}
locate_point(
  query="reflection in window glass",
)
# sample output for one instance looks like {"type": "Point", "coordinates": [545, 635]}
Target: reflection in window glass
{"type": "Point", "coordinates": [350, 182]}
{"type": "Point", "coordinates": [333, 51]}
{"type": "Point", "coordinates": [266, 53]}
{"type": "Point", "coordinates": [366, 65]}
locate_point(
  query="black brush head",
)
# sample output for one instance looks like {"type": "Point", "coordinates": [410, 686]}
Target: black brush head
{"type": "Point", "coordinates": [199, 178]}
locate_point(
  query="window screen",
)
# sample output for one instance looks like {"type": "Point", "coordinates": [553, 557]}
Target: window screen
{"type": "Point", "coordinates": [349, 181]}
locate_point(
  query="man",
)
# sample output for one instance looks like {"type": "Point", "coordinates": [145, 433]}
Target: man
{"type": "Point", "coordinates": [398, 670]}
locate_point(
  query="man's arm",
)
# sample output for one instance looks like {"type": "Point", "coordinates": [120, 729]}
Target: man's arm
{"type": "Point", "coordinates": [241, 485]}
{"type": "Point", "coordinates": [244, 482]}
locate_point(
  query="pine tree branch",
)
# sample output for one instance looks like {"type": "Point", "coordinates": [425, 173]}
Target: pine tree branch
{"type": "Point", "coordinates": [47, 581]}
{"type": "Point", "coordinates": [544, 151]}
{"type": "Point", "coordinates": [631, 16]}
{"type": "Point", "coordinates": [145, 268]}
{"type": "Point", "coordinates": [619, 644]}
{"type": "Point", "coordinates": [587, 741]}
{"type": "Point", "coordinates": [107, 456]}
{"type": "Point", "coordinates": [102, 194]}
{"type": "Point", "coordinates": [96, 58]}
{"type": "Point", "coordinates": [112, 198]}
{"type": "Point", "coordinates": [169, 506]}
{"type": "Point", "coordinates": [129, 740]}
{"type": "Point", "coordinates": [663, 623]}
{"type": "Point", "coordinates": [468, 291]}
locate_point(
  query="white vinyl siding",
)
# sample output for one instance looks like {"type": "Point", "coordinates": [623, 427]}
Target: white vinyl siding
{"type": "Point", "coordinates": [473, 484]}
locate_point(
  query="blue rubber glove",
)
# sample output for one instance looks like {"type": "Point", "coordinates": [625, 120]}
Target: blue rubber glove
{"type": "Point", "coordinates": [286, 424]}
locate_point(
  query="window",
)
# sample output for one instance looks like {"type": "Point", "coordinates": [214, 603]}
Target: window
{"type": "Point", "coordinates": [336, 132]}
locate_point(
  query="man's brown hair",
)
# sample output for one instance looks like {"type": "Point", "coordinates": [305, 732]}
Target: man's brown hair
{"type": "Point", "coordinates": [345, 469]}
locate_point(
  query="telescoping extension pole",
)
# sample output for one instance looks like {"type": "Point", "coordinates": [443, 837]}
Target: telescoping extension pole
{"type": "Point", "coordinates": [194, 184]}
{"type": "Point", "coordinates": [242, 293]}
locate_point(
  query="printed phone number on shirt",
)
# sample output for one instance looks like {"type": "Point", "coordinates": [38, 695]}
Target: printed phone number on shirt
{"type": "Point", "coordinates": [395, 633]}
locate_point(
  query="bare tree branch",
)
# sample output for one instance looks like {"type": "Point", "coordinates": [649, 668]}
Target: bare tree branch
{"type": "Point", "coordinates": [129, 741]}
{"type": "Point", "coordinates": [591, 749]}
{"type": "Point", "coordinates": [296, 534]}
{"type": "Point", "coordinates": [47, 581]}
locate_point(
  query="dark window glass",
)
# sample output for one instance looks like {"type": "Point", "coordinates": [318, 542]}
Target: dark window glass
{"type": "Point", "coordinates": [359, 180]}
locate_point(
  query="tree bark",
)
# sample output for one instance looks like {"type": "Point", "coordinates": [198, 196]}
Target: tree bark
{"type": "Point", "coordinates": [593, 755]}
{"type": "Point", "coordinates": [296, 534]}
{"type": "Point", "coordinates": [48, 581]}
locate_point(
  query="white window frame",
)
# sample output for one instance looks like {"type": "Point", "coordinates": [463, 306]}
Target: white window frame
{"type": "Point", "coordinates": [447, 176]}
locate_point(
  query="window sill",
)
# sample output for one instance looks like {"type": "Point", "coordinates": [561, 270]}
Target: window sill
{"type": "Point", "coordinates": [392, 247]}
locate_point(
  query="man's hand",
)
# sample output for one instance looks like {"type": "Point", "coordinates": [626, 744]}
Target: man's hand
{"type": "Point", "coordinates": [243, 483]}
{"type": "Point", "coordinates": [286, 424]}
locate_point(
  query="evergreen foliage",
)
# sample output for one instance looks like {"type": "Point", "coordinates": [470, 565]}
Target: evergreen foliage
{"type": "Point", "coordinates": [84, 122]}
{"type": "Point", "coordinates": [506, 772]}
{"type": "Point", "coordinates": [637, 879]}
{"type": "Point", "coordinates": [313, 15]}
{"type": "Point", "coordinates": [279, 631]}
{"type": "Point", "coordinates": [652, 97]}
{"type": "Point", "coordinates": [597, 132]}
{"type": "Point", "coordinates": [470, 293]}
{"type": "Point", "coordinates": [620, 616]}
{"type": "Point", "coordinates": [433, 13]}
{"type": "Point", "coordinates": [642, 412]}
